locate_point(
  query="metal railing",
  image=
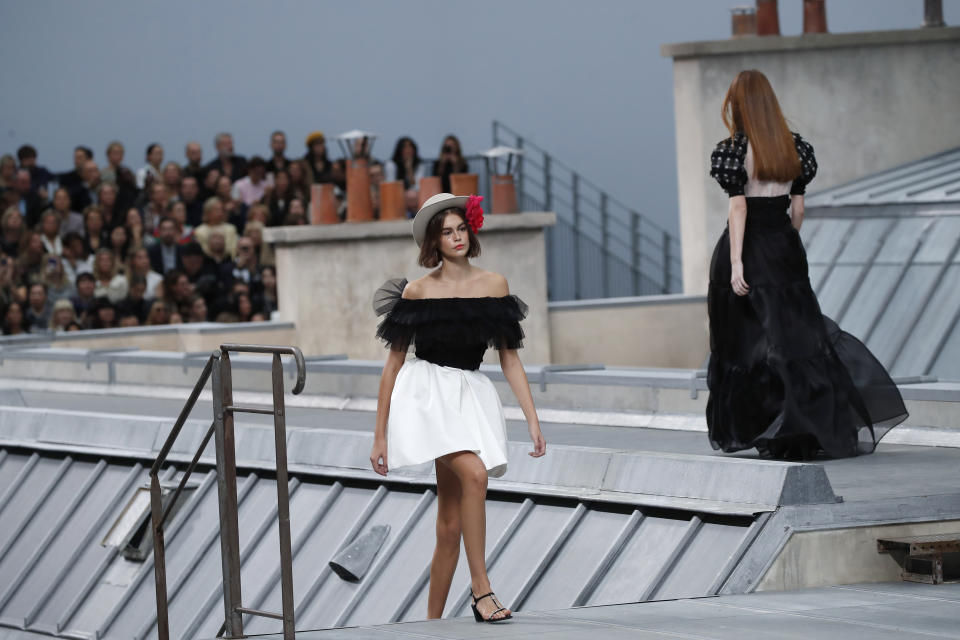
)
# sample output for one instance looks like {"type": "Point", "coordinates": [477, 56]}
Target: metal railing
{"type": "Point", "coordinates": [218, 367]}
{"type": "Point", "coordinates": [600, 247]}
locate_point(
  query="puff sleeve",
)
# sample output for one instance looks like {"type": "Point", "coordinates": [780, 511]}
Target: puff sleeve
{"type": "Point", "coordinates": [397, 328]}
{"type": "Point", "coordinates": [808, 166]}
{"type": "Point", "coordinates": [727, 164]}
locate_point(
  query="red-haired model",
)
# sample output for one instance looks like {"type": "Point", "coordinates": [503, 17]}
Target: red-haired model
{"type": "Point", "coordinates": [783, 378]}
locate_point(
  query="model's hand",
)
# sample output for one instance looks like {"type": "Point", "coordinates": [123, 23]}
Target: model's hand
{"type": "Point", "coordinates": [740, 286]}
{"type": "Point", "coordinates": [378, 457]}
{"type": "Point", "coordinates": [539, 444]}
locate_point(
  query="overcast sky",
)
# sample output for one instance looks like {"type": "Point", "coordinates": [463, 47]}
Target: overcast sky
{"type": "Point", "coordinates": [583, 79]}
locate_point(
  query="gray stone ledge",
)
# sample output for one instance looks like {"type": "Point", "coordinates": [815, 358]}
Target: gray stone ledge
{"type": "Point", "coordinates": [809, 42]}
{"type": "Point", "coordinates": [397, 228]}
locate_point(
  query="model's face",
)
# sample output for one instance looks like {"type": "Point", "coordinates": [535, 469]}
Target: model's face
{"type": "Point", "coordinates": [454, 239]}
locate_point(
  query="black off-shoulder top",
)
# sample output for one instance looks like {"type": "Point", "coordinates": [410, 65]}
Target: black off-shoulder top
{"type": "Point", "coordinates": [728, 160]}
{"type": "Point", "coordinates": [451, 332]}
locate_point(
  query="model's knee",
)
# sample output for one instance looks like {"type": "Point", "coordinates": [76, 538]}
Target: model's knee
{"type": "Point", "coordinates": [448, 532]}
{"type": "Point", "coordinates": [474, 480]}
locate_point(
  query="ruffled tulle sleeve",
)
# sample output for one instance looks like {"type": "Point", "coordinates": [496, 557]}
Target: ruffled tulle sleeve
{"type": "Point", "coordinates": [727, 164]}
{"type": "Point", "coordinates": [396, 329]}
{"type": "Point", "coordinates": [808, 166]}
{"type": "Point", "coordinates": [507, 333]}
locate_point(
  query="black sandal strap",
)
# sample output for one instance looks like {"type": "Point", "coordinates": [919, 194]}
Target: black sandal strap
{"type": "Point", "coordinates": [478, 599]}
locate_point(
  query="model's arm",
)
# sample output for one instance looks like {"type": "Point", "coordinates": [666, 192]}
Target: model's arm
{"type": "Point", "coordinates": [737, 225]}
{"type": "Point", "coordinates": [378, 457]}
{"type": "Point", "coordinates": [796, 211]}
{"type": "Point", "coordinates": [517, 377]}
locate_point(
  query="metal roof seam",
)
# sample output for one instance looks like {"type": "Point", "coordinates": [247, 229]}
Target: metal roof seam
{"type": "Point", "coordinates": [693, 526]}
{"type": "Point", "coordinates": [750, 536]}
{"type": "Point", "coordinates": [550, 555]}
{"type": "Point", "coordinates": [44, 495]}
{"type": "Point", "coordinates": [18, 480]}
{"type": "Point", "coordinates": [611, 555]}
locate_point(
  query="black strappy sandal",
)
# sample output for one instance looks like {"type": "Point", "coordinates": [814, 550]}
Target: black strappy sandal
{"type": "Point", "coordinates": [476, 612]}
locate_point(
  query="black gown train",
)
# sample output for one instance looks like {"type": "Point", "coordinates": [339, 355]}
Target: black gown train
{"type": "Point", "coordinates": [783, 377]}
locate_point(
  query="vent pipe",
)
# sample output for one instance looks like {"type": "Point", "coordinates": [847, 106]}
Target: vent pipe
{"type": "Point", "coordinates": [933, 13]}
{"type": "Point", "coordinates": [743, 21]}
{"type": "Point", "coordinates": [814, 16]}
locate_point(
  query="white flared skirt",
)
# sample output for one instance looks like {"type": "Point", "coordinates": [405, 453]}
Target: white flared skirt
{"type": "Point", "coordinates": [437, 410]}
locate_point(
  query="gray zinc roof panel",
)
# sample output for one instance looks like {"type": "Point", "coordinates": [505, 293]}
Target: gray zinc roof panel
{"type": "Point", "coordinates": [941, 243]}
{"type": "Point", "coordinates": [869, 300]}
{"type": "Point", "coordinates": [947, 364]}
{"type": "Point", "coordinates": [829, 240]}
{"type": "Point", "coordinates": [838, 287]}
{"type": "Point", "coordinates": [900, 314]}
{"type": "Point", "coordinates": [936, 320]}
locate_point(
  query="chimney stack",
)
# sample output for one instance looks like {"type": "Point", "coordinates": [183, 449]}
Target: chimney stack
{"type": "Point", "coordinates": [933, 13]}
{"type": "Point", "coordinates": [814, 16]}
{"type": "Point", "coordinates": [743, 22]}
{"type": "Point", "coordinates": [768, 21]}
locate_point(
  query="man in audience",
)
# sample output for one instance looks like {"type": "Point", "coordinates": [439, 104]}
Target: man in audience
{"type": "Point", "coordinates": [40, 176]}
{"type": "Point", "coordinates": [245, 268]}
{"type": "Point", "coordinates": [200, 270]}
{"type": "Point", "coordinates": [38, 308]}
{"type": "Point", "coordinates": [28, 202]}
{"type": "Point", "coordinates": [84, 300]}
{"type": "Point", "coordinates": [255, 185]}
{"type": "Point", "coordinates": [194, 166]}
{"type": "Point", "coordinates": [165, 254]}
{"type": "Point", "coordinates": [104, 314]}
{"type": "Point", "coordinates": [226, 163]}
{"type": "Point", "coordinates": [72, 256]}
{"type": "Point", "coordinates": [135, 304]}
{"type": "Point", "coordinates": [278, 146]}
{"type": "Point", "coordinates": [72, 179]}
{"type": "Point", "coordinates": [155, 209]}
{"type": "Point", "coordinates": [190, 197]}
{"type": "Point", "coordinates": [84, 194]}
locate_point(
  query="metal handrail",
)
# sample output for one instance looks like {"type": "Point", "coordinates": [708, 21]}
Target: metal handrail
{"type": "Point", "coordinates": [218, 367]}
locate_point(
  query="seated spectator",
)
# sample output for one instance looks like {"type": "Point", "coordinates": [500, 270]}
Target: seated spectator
{"type": "Point", "coordinates": [110, 282]}
{"type": "Point", "coordinates": [71, 179]}
{"type": "Point", "coordinates": [266, 302]}
{"type": "Point", "coordinates": [214, 220]}
{"type": "Point", "coordinates": [278, 146]}
{"type": "Point", "coordinates": [128, 320]}
{"type": "Point", "coordinates": [84, 194]}
{"type": "Point", "coordinates": [70, 220]}
{"type": "Point", "coordinates": [297, 213]}
{"type": "Point", "coordinates": [263, 250]}
{"type": "Point", "coordinates": [177, 211]}
{"type": "Point", "coordinates": [217, 246]}
{"type": "Point", "coordinates": [115, 173]}
{"type": "Point", "coordinates": [74, 326]}
{"type": "Point", "coordinates": [59, 286]}
{"type": "Point", "coordinates": [95, 235]}
{"type": "Point", "coordinates": [258, 213]}
{"type": "Point", "coordinates": [451, 160]}
{"type": "Point", "coordinates": [231, 207]}
{"type": "Point", "coordinates": [155, 209]}
{"type": "Point", "coordinates": [165, 254]}
{"type": "Point", "coordinates": [245, 268]}
{"type": "Point", "coordinates": [159, 314]}
{"type": "Point", "coordinates": [177, 290]}
{"type": "Point", "coordinates": [111, 208]}
{"type": "Point", "coordinates": [30, 263]}
{"type": "Point", "coordinates": [150, 172]}
{"type": "Point", "coordinates": [194, 167]}
{"type": "Point", "coordinates": [8, 171]}
{"type": "Point", "coordinates": [63, 315]}
{"type": "Point", "coordinates": [120, 243]}
{"type": "Point", "coordinates": [279, 197]}
{"type": "Point", "coordinates": [406, 165]}
{"type": "Point", "coordinates": [139, 265]}
{"type": "Point", "coordinates": [176, 317]}
{"type": "Point", "coordinates": [40, 176]}
{"type": "Point", "coordinates": [299, 181]}
{"type": "Point", "coordinates": [8, 281]}
{"type": "Point", "coordinates": [50, 232]}
{"type": "Point", "coordinates": [38, 308]}
{"type": "Point", "coordinates": [319, 169]}
{"type": "Point", "coordinates": [104, 314]}
{"type": "Point", "coordinates": [11, 232]}
{"type": "Point", "coordinates": [190, 197]}
{"type": "Point", "coordinates": [200, 270]}
{"type": "Point", "coordinates": [84, 300]}
{"type": "Point", "coordinates": [133, 221]}
{"type": "Point", "coordinates": [28, 203]}
{"type": "Point", "coordinates": [227, 163]}
{"type": "Point", "coordinates": [171, 179]}
{"type": "Point", "coordinates": [196, 309]}
{"type": "Point", "coordinates": [74, 258]}
{"type": "Point", "coordinates": [14, 322]}
{"type": "Point", "coordinates": [136, 303]}
{"type": "Point", "coordinates": [255, 185]}
{"type": "Point", "coordinates": [244, 308]}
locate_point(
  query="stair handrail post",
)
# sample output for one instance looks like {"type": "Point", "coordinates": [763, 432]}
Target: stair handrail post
{"type": "Point", "coordinates": [635, 252]}
{"type": "Point", "coordinates": [159, 558]}
{"type": "Point", "coordinates": [521, 194]}
{"type": "Point", "coordinates": [666, 262]}
{"type": "Point", "coordinates": [605, 243]}
{"type": "Point", "coordinates": [225, 445]}
{"type": "Point", "coordinates": [283, 500]}
{"type": "Point", "coordinates": [575, 186]}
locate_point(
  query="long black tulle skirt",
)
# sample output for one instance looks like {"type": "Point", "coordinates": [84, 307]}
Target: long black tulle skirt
{"type": "Point", "coordinates": [783, 377]}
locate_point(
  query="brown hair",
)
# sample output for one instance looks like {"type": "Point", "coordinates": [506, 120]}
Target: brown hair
{"type": "Point", "coordinates": [751, 107]}
{"type": "Point", "coordinates": [430, 249]}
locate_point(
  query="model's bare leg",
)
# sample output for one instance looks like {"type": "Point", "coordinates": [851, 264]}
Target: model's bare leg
{"type": "Point", "coordinates": [472, 475]}
{"type": "Point", "coordinates": [447, 552]}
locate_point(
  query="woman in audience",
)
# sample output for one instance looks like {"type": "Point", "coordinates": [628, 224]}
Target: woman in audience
{"type": "Point", "coordinates": [134, 224]}
{"type": "Point", "coordinates": [69, 220]}
{"type": "Point", "coordinates": [215, 220]}
{"type": "Point", "coordinates": [279, 198]}
{"type": "Point", "coordinates": [196, 309]}
{"type": "Point", "coordinates": [95, 235]}
{"type": "Point", "coordinates": [30, 262]}
{"type": "Point", "coordinates": [50, 232]}
{"type": "Point", "coordinates": [263, 251]}
{"type": "Point", "coordinates": [139, 266]}
{"type": "Point", "coordinates": [59, 286]}
{"type": "Point", "coordinates": [405, 165]}
{"type": "Point", "coordinates": [63, 315]}
{"type": "Point", "coordinates": [8, 171]}
{"type": "Point", "coordinates": [150, 172]}
{"type": "Point", "coordinates": [159, 314]}
{"type": "Point", "coordinates": [13, 320]}
{"type": "Point", "coordinates": [299, 180]}
{"type": "Point", "coordinates": [268, 297]}
{"type": "Point", "coordinates": [451, 160]}
{"type": "Point", "coordinates": [224, 193]}
{"type": "Point", "coordinates": [110, 282]}
{"type": "Point", "coordinates": [120, 242]}
{"type": "Point", "coordinates": [110, 207]}
{"type": "Point", "coordinates": [11, 231]}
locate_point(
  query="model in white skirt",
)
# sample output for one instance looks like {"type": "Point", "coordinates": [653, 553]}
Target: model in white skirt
{"type": "Point", "coordinates": [437, 406]}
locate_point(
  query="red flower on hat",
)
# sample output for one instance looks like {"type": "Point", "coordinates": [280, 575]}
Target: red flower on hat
{"type": "Point", "coordinates": [475, 213]}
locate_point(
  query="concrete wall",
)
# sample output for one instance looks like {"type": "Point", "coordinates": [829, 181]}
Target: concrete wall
{"type": "Point", "coordinates": [866, 101]}
{"type": "Point", "coordinates": [327, 276]}
{"type": "Point", "coordinates": [842, 556]}
{"type": "Point", "coordinates": [652, 331]}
